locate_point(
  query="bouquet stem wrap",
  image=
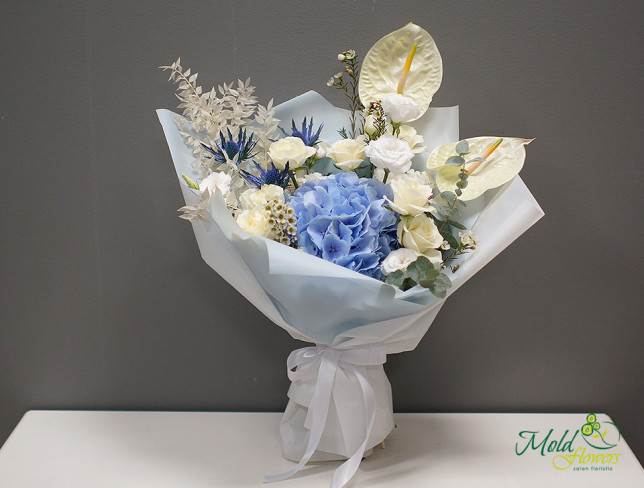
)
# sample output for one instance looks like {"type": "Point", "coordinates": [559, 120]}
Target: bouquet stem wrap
{"type": "Point", "coordinates": [335, 390]}
{"type": "Point", "coordinates": [340, 402]}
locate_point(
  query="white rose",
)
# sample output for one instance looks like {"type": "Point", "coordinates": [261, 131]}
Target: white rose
{"type": "Point", "coordinates": [408, 134]}
{"type": "Point", "coordinates": [411, 194]}
{"type": "Point", "coordinates": [348, 154]}
{"type": "Point", "coordinates": [401, 108]}
{"type": "Point", "coordinates": [260, 196]}
{"type": "Point", "coordinates": [389, 152]}
{"type": "Point", "coordinates": [254, 221]}
{"type": "Point", "coordinates": [291, 150]}
{"type": "Point", "coordinates": [419, 233]}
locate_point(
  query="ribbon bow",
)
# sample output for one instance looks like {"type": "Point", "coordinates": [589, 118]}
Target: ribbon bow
{"type": "Point", "coordinates": [329, 360]}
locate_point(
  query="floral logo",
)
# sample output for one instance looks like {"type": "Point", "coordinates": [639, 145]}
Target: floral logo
{"type": "Point", "coordinates": [597, 436]}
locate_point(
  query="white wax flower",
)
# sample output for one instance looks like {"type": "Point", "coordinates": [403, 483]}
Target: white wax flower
{"type": "Point", "coordinates": [411, 193]}
{"type": "Point", "coordinates": [216, 181]}
{"type": "Point", "coordinates": [389, 152]}
{"type": "Point", "coordinates": [419, 233]}
{"type": "Point", "coordinates": [291, 150]}
{"type": "Point", "coordinates": [408, 134]}
{"type": "Point", "coordinates": [467, 239]}
{"type": "Point", "coordinates": [254, 221]}
{"type": "Point", "coordinates": [348, 154]}
{"type": "Point", "coordinates": [401, 108]}
{"type": "Point", "coordinates": [253, 197]}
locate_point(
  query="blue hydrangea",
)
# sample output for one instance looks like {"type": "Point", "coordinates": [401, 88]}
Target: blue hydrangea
{"type": "Point", "coordinates": [343, 219]}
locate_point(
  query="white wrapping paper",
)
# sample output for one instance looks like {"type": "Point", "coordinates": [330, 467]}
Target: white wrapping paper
{"type": "Point", "coordinates": [339, 310]}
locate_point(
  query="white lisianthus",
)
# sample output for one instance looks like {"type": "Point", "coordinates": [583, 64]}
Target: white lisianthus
{"type": "Point", "coordinates": [216, 181]}
{"type": "Point", "coordinates": [400, 259]}
{"type": "Point", "coordinates": [408, 134]}
{"type": "Point", "coordinates": [411, 193]}
{"type": "Point", "coordinates": [254, 221]}
{"type": "Point", "coordinates": [253, 197]}
{"type": "Point", "coordinates": [291, 150]}
{"type": "Point", "coordinates": [419, 233]}
{"type": "Point", "coordinates": [401, 108]}
{"type": "Point", "coordinates": [348, 154]}
{"type": "Point", "coordinates": [389, 152]}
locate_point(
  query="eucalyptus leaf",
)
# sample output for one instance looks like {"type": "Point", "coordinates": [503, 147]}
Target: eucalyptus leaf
{"type": "Point", "coordinates": [407, 284]}
{"type": "Point", "coordinates": [418, 270]}
{"type": "Point", "coordinates": [455, 161]}
{"type": "Point", "coordinates": [449, 237]}
{"type": "Point", "coordinates": [448, 195]}
{"type": "Point", "coordinates": [463, 147]}
{"type": "Point", "coordinates": [458, 225]}
{"type": "Point", "coordinates": [396, 278]}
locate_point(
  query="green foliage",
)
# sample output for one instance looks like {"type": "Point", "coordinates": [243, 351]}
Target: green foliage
{"type": "Point", "coordinates": [463, 147]}
{"type": "Point", "coordinates": [424, 273]}
{"type": "Point", "coordinates": [451, 240]}
{"type": "Point", "coordinates": [455, 161]}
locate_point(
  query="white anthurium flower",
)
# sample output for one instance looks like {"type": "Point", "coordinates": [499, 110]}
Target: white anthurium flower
{"type": "Point", "coordinates": [216, 182]}
{"type": "Point", "coordinates": [389, 152]}
{"type": "Point", "coordinates": [348, 154]}
{"type": "Point", "coordinates": [400, 259]}
{"type": "Point", "coordinates": [254, 221]}
{"type": "Point", "coordinates": [419, 233]}
{"type": "Point", "coordinates": [253, 197]}
{"type": "Point", "coordinates": [408, 134]}
{"type": "Point", "coordinates": [401, 108]}
{"type": "Point", "coordinates": [406, 62]}
{"type": "Point", "coordinates": [499, 166]}
{"type": "Point", "coordinates": [412, 192]}
{"type": "Point", "coordinates": [290, 150]}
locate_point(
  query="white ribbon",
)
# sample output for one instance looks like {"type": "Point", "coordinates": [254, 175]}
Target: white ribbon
{"type": "Point", "coordinates": [329, 360]}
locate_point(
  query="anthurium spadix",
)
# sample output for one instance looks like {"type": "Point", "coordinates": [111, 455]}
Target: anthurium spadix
{"type": "Point", "coordinates": [405, 62]}
{"type": "Point", "coordinates": [490, 163]}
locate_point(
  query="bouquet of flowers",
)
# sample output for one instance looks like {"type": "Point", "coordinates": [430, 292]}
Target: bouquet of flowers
{"type": "Point", "coordinates": [347, 228]}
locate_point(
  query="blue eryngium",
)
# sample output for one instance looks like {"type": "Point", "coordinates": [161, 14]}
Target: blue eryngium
{"type": "Point", "coordinates": [309, 138]}
{"type": "Point", "coordinates": [271, 176]}
{"type": "Point", "coordinates": [229, 147]}
{"type": "Point", "coordinates": [343, 219]}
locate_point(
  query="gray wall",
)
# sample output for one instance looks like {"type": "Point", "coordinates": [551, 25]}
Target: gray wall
{"type": "Point", "coordinates": [106, 303]}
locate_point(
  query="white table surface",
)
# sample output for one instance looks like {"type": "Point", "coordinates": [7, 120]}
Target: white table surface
{"type": "Point", "coordinates": [101, 449]}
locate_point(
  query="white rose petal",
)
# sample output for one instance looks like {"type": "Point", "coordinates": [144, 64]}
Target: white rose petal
{"type": "Point", "coordinates": [348, 154]}
{"type": "Point", "coordinates": [411, 193]}
{"type": "Point", "coordinates": [401, 108]}
{"type": "Point", "coordinates": [389, 152]}
{"type": "Point", "coordinates": [254, 221]}
{"type": "Point", "coordinates": [216, 181]}
{"type": "Point", "coordinates": [291, 150]}
{"type": "Point", "coordinates": [419, 233]}
{"type": "Point", "coordinates": [408, 134]}
{"type": "Point", "coordinates": [253, 197]}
